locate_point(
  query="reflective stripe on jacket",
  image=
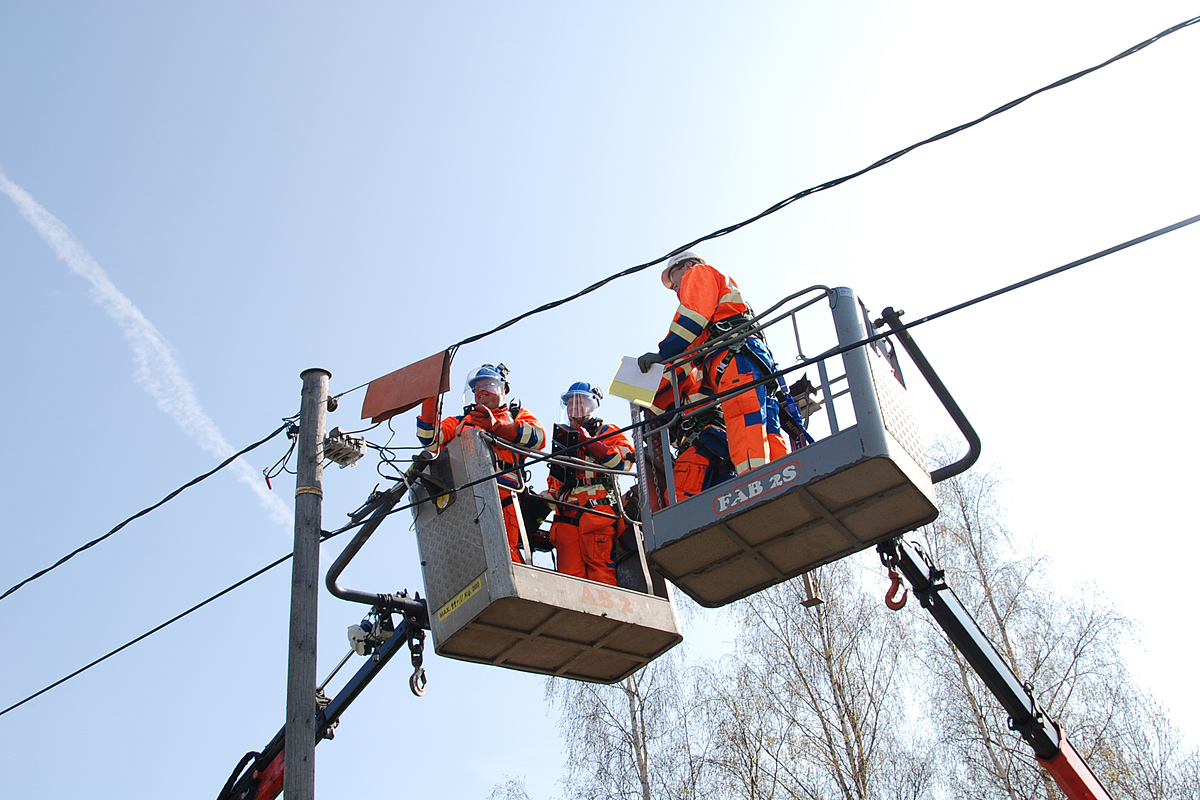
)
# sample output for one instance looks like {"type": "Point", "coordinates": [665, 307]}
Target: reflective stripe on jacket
{"type": "Point", "coordinates": [530, 435]}
{"type": "Point", "coordinates": [590, 485]}
{"type": "Point", "coordinates": [705, 295]}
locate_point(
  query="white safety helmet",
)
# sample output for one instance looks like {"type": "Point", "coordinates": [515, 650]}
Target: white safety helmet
{"type": "Point", "coordinates": [674, 261]}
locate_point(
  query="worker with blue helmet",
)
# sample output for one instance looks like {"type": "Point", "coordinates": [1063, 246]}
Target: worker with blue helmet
{"type": "Point", "coordinates": [484, 408]}
{"type": "Point", "coordinates": [584, 529]}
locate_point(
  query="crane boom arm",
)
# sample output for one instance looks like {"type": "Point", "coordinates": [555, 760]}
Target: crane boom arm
{"type": "Point", "coordinates": [263, 778]}
{"type": "Point", "coordinates": [1050, 745]}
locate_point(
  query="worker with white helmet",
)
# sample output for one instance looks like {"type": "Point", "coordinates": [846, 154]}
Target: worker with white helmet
{"type": "Point", "coordinates": [710, 304]}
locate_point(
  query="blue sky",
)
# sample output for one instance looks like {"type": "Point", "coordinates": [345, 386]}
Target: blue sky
{"type": "Point", "coordinates": [283, 186]}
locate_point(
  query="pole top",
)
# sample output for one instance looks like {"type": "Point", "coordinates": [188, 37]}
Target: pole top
{"type": "Point", "coordinates": [328, 374]}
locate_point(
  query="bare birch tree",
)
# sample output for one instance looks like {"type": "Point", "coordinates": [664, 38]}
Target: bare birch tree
{"type": "Point", "coordinates": [821, 711]}
{"type": "Point", "coordinates": [634, 740]}
{"type": "Point", "coordinates": [1069, 648]}
{"type": "Point", "coordinates": [849, 700]}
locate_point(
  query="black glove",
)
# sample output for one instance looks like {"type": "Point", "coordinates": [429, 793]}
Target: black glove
{"type": "Point", "coordinates": [646, 360]}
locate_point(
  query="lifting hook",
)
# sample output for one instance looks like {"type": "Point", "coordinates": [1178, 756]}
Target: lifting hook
{"type": "Point", "coordinates": [417, 681]}
{"type": "Point", "coordinates": [889, 597]}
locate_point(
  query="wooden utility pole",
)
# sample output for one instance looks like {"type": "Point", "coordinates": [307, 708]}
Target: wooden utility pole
{"type": "Point", "coordinates": [300, 733]}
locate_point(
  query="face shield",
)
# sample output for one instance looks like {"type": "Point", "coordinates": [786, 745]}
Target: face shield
{"type": "Point", "coordinates": [578, 406]}
{"type": "Point", "coordinates": [485, 386]}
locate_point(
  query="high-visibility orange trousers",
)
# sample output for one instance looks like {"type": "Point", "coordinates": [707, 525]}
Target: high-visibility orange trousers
{"type": "Point", "coordinates": [584, 547]}
{"type": "Point", "coordinates": [691, 468]}
{"type": "Point", "coordinates": [511, 524]}
{"type": "Point", "coordinates": [751, 445]}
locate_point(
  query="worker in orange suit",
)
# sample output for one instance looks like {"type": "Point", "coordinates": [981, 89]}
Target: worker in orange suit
{"type": "Point", "coordinates": [485, 409]}
{"type": "Point", "coordinates": [583, 532]}
{"type": "Point", "coordinates": [702, 459]}
{"type": "Point", "coordinates": [711, 305]}
{"type": "Point", "coordinates": [701, 444]}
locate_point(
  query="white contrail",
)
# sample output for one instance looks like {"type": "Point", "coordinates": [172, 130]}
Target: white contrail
{"type": "Point", "coordinates": [157, 370]}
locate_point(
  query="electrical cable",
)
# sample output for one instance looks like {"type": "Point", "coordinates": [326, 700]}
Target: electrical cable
{"type": "Point", "coordinates": [838, 350]}
{"type": "Point", "coordinates": [823, 186]}
{"type": "Point", "coordinates": [147, 510]}
{"type": "Point", "coordinates": [638, 268]}
{"type": "Point", "coordinates": [324, 536]}
{"type": "Point", "coordinates": [805, 193]}
{"type": "Point", "coordinates": [280, 466]}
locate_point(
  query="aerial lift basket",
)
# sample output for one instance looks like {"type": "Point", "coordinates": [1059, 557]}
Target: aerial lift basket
{"type": "Point", "coordinates": [863, 484]}
{"type": "Point", "coordinates": [485, 608]}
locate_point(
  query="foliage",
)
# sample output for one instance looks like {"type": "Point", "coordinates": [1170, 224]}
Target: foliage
{"type": "Point", "coordinates": [847, 700]}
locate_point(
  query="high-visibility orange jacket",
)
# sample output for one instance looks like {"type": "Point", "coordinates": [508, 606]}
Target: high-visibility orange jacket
{"type": "Point", "coordinates": [530, 435]}
{"type": "Point", "coordinates": [590, 486]}
{"type": "Point", "coordinates": [706, 295]}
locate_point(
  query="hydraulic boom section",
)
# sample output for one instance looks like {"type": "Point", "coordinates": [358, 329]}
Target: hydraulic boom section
{"type": "Point", "coordinates": [1025, 716]}
{"type": "Point", "coordinates": [259, 776]}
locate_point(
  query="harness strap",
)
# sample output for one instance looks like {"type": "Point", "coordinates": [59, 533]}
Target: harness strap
{"type": "Point", "coordinates": [572, 516]}
{"type": "Point", "coordinates": [789, 416]}
{"type": "Point", "coordinates": [721, 462]}
{"type": "Point", "coordinates": [721, 327]}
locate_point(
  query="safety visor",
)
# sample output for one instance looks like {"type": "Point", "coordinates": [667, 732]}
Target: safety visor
{"type": "Point", "coordinates": [483, 379]}
{"type": "Point", "coordinates": [579, 405]}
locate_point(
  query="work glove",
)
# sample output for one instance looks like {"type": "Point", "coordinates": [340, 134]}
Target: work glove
{"type": "Point", "coordinates": [483, 418]}
{"type": "Point", "coordinates": [429, 409]}
{"type": "Point", "coordinates": [507, 429]}
{"type": "Point", "coordinates": [646, 360]}
{"type": "Point", "coordinates": [590, 445]}
{"type": "Point", "coordinates": [486, 419]}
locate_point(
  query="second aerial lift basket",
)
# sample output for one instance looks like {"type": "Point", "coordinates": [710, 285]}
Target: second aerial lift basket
{"type": "Point", "coordinates": [863, 484]}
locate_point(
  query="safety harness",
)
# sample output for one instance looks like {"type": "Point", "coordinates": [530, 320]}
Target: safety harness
{"type": "Point", "coordinates": [569, 477]}
{"type": "Point", "coordinates": [789, 412]}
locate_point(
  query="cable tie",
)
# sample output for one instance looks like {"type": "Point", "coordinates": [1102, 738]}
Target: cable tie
{"type": "Point", "coordinates": [309, 490]}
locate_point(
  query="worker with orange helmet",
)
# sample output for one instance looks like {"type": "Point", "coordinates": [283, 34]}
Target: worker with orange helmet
{"type": "Point", "coordinates": [485, 409]}
{"type": "Point", "coordinates": [710, 305]}
{"type": "Point", "coordinates": [583, 531]}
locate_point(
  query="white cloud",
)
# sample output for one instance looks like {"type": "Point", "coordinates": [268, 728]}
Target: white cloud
{"type": "Point", "coordinates": [157, 370]}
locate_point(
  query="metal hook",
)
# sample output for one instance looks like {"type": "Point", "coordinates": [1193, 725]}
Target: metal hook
{"type": "Point", "coordinates": [889, 597]}
{"type": "Point", "coordinates": [417, 681]}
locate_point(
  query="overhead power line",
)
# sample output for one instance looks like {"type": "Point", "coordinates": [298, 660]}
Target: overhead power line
{"type": "Point", "coordinates": [638, 268]}
{"type": "Point", "coordinates": [823, 186]}
{"type": "Point", "coordinates": [841, 349]}
{"type": "Point", "coordinates": [810, 191]}
{"type": "Point", "coordinates": [171, 621]}
{"type": "Point", "coordinates": [148, 509]}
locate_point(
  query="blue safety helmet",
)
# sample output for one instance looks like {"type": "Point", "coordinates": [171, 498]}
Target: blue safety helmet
{"type": "Point", "coordinates": [488, 373]}
{"type": "Point", "coordinates": [585, 392]}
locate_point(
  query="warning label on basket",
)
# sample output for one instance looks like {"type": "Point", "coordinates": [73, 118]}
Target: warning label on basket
{"type": "Point", "coordinates": [462, 597]}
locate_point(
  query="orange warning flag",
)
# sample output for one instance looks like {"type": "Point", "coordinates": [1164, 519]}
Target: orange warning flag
{"type": "Point", "coordinates": [405, 388]}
